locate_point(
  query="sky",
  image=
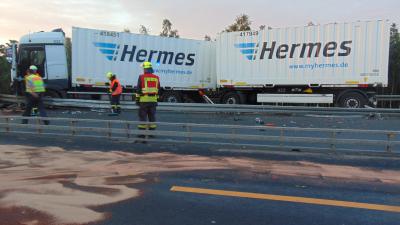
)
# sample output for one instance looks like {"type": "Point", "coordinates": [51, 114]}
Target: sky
{"type": "Point", "coordinates": [193, 19]}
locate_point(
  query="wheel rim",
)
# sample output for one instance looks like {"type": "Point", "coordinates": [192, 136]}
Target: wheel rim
{"type": "Point", "coordinates": [231, 101]}
{"type": "Point", "coordinates": [352, 103]}
{"type": "Point", "coordinates": [172, 99]}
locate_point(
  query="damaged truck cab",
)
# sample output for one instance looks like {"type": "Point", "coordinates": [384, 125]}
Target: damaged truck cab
{"type": "Point", "coordinates": [47, 51]}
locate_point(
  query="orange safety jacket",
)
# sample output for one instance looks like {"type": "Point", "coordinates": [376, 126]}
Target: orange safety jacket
{"type": "Point", "coordinates": [115, 87]}
{"type": "Point", "coordinates": [148, 87]}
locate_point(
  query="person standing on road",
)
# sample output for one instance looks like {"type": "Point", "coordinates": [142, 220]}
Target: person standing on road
{"type": "Point", "coordinates": [148, 86]}
{"type": "Point", "coordinates": [34, 88]}
{"type": "Point", "coordinates": [115, 91]}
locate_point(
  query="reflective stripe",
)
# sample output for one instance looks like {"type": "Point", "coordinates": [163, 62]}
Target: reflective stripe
{"type": "Point", "coordinates": [146, 98]}
{"type": "Point", "coordinates": [34, 84]}
{"type": "Point", "coordinates": [142, 126]}
{"type": "Point", "coordinates": [117, 91]}
{"type": "Point", "coordinates": [150, 85]}
{"type": "Point", "coordinates": [153, 126]}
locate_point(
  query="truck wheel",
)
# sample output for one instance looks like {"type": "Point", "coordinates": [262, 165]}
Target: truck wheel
{"type": "Point", "coordinates": [352, 100]}
{"type": "Point", "coordinates": [52, 94]}
{"type": "Point", "coordinates": [232, 98]}
{"type": "Point", "coordinates": [171, 97]}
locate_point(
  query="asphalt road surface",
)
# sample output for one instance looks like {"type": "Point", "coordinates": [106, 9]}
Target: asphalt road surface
{"type": "Point", "coordinates": [55, 180]}
{"type": "Point", "coordinates": [264, 121]}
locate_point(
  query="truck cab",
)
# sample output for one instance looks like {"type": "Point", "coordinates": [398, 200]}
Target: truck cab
{"type": "Point", "coordinates": [46, 50]}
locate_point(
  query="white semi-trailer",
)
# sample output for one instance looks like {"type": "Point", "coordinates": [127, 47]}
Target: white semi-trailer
{"type": "Point", "coordinates": [345, 62]}
{"type": "Point", "coordinates": [184, 66]}
{"type": "Point", "coordinates": [341, 63]}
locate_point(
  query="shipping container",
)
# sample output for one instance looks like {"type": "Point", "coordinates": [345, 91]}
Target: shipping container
{"type": "Point", "coordinates": [182, 64]}
{"type": "Point", "coordinates": [340, 63]}
{"type": "Point", "coordinates": [330, 56]}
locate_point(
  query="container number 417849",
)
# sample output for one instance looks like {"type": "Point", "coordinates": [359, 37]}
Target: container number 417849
{"type": "Point", "coordinates": [248, 33]}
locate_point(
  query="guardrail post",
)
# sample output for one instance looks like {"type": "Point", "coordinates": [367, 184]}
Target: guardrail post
{"type": "Point", "coordinates": [189, 132]}
{"type": "Point", "coordinates": [333, 144]}
{"type": "Point", "coordinates": [8, 125]}
{"type": "Point", "coordinates": [127, 127]}
{"type": "Point", "coordinates": [39, 126]}
{"type": "Point", "coordinates": [73, 132]}
{"type": "Point", "coordinates": [233, 133]}
{"type": "Point", "coordinates": [390, 137]}
{"type": "Point", "coordinates": [109, 129]}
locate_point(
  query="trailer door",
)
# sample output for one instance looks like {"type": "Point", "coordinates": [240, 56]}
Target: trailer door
{"type": "Point", "coordinates": [56, 62]}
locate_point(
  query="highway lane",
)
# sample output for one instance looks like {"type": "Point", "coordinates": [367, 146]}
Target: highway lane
{"type": "Point", "coordinates": [153, 170]}
{"type": "Point", "coordinates": [272, 120]}
{"type": "Point", "coordinates": [159, 205]}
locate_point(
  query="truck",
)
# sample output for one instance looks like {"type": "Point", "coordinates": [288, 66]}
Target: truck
{"type": "Point", "coordinates": [184, 66]}
{"type": "Point", "coordinates": [344, 64]}
{"type": "Point", "coordinates": [340, 63]}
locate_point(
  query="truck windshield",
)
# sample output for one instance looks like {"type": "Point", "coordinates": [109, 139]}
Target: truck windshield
{"type": "Point", "coordinates": [31, 56]}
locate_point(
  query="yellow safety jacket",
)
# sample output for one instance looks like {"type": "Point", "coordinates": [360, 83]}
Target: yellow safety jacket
{"type": "Point", "coordinates": [148, 87]}
{"type": "Point", "coordinates": [34, 84]}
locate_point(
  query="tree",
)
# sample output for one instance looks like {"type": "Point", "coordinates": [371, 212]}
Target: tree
{"type": "Point", "coordinates": [4, 47]}
{"type": "Point", "coordinates": [68, 49]}
{"type": "Point", "coordinates": [126, 30]}
{"type": "Point", "coordinates": [5, 68]}
{"type": "Point", "coordinates": [262, 27]}
{"type": "Point", "coordinates": [174, 34]}
{"type": "Point", "coordinates": [167, 29]}
{"type": "Point", "coordinates": [309, 24]}
{"type": "Point", "coordinates": [242, 23]}
{"type": "Point", "coordinates": [394, 60]}
{"type": "Point", "coordinates": [5, 80]}
{"type": "Point", "coordinates": [207, 38]}
{"type": "Point", "coordinates": [143, 30]}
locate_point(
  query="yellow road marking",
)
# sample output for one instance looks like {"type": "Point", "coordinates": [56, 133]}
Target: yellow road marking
{"type": "Point", "coordinates": [315, 201]}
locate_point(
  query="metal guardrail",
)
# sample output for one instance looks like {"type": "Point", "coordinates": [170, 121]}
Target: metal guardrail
{"type": "Point", "coordinates": [387, 97]}
{"type": "Point", "coordinates": [383, 142]}
{"type": "Point", "coordinates": [201, 107]}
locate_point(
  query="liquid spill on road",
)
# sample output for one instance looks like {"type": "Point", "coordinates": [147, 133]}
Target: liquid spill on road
{"type": "Point", "coordinates": [49, 185]}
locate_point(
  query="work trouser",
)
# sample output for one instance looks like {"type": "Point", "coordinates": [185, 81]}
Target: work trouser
{"type": "Point", "coordinates": [115, 104]}
{"type": "Point", "coordinates": [32, 102]}
{"type": "Point", "coordinates": [147, 112]}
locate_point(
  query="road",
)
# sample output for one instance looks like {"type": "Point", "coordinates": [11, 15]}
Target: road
{"type": "Point", "coordinates": [54, 180]}
{"type": "Point", "coordinates": [263, 132]}
{"type": "Point", "coordinates": [159, 205]}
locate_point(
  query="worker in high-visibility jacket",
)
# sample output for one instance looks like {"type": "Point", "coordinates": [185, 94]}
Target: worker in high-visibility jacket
{"type": "Point", "coordinates": [148, 87]}
{"type": "Point", "coordinates": [34, 91]}
{"type": "Point", "coordinates": [115, 91]}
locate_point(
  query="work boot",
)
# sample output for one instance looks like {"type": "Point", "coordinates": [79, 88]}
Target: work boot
{"type": "Point", "coordinates": [34, 112]}
{"type": "Point", "coordinates": [46, 122]}
{"type": "Point", "coordinates": [141, 141]}
{"type": "Point", "coordinates": [113, 112]}
{"type": "Point", "coordinates": [151, 136]}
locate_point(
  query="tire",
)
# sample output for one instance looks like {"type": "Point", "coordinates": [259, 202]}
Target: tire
{"type": "Point", "coordinates": [95, 97]}
{"type": "Point", "coordinates": [188, 100]}
{"type": "Point", "coordinates": [232, 98]}
{"type": "Point", "coordinates": [353, 100]}
{"type": "Point", "coordinates": [52, 94]}
{"type": "Point", "coordinates": [171, 97]}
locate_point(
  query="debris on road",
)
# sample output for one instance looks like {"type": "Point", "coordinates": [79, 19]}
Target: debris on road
{"type": "Point", "coordinates": [52, 180]}
{"type": "Point", "coordinates": [10, 109]}
{"type": "Point", "coordinates": [259, 121]}
{"type": "Point", "coordinates": [375, 116]}
{"type": "Point", "coordinates": [98, 110]}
